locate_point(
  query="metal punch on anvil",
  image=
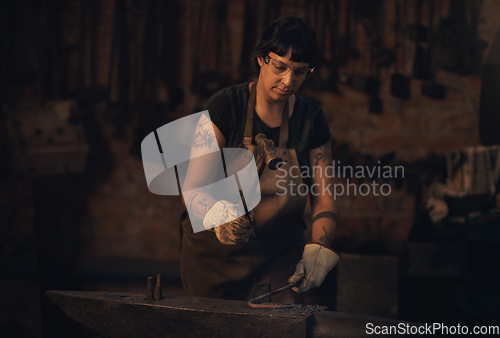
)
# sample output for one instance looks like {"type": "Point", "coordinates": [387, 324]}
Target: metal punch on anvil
{"type": "Point", "coordinates": [156, 293]}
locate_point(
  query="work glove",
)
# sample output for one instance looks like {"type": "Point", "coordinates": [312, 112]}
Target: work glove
{"type": "Point", "coordinates": [317, 260]}
{"type": "Point", "coordinates": [235, 230]}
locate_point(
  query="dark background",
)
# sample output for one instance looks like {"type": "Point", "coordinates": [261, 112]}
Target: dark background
{"type": "Point", "coordinates": [399, 81]}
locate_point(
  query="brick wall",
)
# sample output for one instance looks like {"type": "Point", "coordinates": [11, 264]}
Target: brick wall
{"type": "Point", "coordinates": [125, 220]}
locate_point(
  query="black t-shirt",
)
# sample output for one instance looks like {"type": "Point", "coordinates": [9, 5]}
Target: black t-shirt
{"type": "Point", "coordinates": [308, 127]}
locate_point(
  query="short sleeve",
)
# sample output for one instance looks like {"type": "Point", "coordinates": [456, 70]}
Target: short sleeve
{"type": "Point", "coordinates": [321, 132]}
{"type": "Point", "coordinates": [219, 108]}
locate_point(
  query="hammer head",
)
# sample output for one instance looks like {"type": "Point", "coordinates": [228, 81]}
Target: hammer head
{"type": "Point", "coordinates": [267, 149]}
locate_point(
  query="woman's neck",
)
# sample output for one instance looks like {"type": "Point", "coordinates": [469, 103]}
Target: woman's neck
{"type": "Point", "coordinates": [268, 109]}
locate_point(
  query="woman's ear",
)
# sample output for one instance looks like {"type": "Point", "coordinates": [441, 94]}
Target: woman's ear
{"type": "Point", "coordinates": [260, 60]}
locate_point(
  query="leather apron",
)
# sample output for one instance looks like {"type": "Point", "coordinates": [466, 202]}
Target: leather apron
{"type": "Point", "coordinates": [211, 269]}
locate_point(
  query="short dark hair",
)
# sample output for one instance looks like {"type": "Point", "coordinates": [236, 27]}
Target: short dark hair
{"type": "Point", "coordinates": [291, 32]}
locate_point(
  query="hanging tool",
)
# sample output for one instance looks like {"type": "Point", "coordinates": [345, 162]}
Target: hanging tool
{"type": "Point", "coordinates": [430, 87]}
{"type": "Point", "coordinates": [373, 83]}
{"type": "Point", "coordinates": [419, 34]}
{"type": "Point", "coordinates": [400, 83]}
{"type": "Point", "coordinates": [253, 303]}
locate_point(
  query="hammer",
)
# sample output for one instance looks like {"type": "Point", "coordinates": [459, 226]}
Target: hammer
{"type": "Point", "coordinates": [266, 154]}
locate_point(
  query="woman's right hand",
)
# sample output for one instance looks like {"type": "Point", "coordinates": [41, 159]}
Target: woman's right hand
{"type": "Point", "coordinates": [239, 231]}
{"type": "Point", "coordinates": [234, 230]}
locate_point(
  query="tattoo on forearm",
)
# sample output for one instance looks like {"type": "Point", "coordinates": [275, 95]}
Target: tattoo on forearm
{"type": "Point", "coordinates": [204, 202]}
{"type": "Point", "coordinates": [324, 154]}
{"type": "Point", "coordinates": [326, 239]}
{"type": "Point", "coordinates": [191, 199]}
{"type": "Point", "coordinates": [204, 135]}
{"type": "Point", "coordinates": [203, 138]}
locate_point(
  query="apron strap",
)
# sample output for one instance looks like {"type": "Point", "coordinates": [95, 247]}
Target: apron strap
{"type": "Point", "coordinates": [247, 136]}
{"type": "Point", "coordinates": [284, 126]}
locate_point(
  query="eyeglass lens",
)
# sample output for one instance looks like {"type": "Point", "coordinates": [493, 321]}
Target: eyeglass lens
{"type": "Point", "coordinates": [282, 69]}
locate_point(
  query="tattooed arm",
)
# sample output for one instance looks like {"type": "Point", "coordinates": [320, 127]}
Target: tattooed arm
{"type": "Point", "coordinates": [205, 164]}
{"type": "Point", "coordinates": [202, 167]}
{"type": "Point", "coordinates": [322, 199]}
{"type": "Point", "coordinates": [318, 258]}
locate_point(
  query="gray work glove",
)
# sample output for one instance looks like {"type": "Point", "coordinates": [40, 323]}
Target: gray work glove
{"type": "Point", "coordinates": [317, 260]}
{"type": "Point", "coordinates": [234, 230]}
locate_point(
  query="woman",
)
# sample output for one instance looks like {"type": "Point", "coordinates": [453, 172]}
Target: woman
{"type": "Point", "coordinates": [245, 258]}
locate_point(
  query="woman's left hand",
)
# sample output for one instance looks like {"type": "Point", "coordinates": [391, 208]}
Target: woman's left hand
{"type": "Point", "coordinates": [317, 260]}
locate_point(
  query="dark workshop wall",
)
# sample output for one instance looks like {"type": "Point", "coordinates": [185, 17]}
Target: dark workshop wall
{"type": "Point", "coordinates": [139, 64]}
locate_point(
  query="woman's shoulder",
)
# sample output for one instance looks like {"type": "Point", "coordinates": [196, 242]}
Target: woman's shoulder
{"type": "Point", "coordinates": [226, 105]}
{"type": "Point", "coordinates": [230, 92]}
{"type": "Point", "coordinates": [228, 99]}
{"type": "Point", "coordinates": [311, 123]}
{"type": "Point", "coordinates": [307, 106]}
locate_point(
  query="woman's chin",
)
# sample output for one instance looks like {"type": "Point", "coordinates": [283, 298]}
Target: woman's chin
{"type": "Point", "coordinates": [282, 94]}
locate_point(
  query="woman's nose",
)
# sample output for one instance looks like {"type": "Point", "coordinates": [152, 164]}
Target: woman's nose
{"type": "Point", "coordinates": [287, 80]}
